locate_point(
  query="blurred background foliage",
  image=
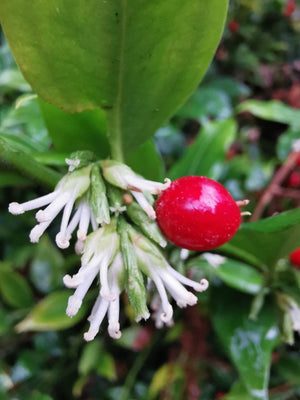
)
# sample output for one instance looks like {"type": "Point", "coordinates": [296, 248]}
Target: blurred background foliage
{"type": "Point", "coordinates": [238, 128]}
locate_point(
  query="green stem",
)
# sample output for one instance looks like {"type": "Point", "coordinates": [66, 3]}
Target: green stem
{"type": "Point", "coordinates": [139, 362]}
{"type": "Point", "coordinates": [114, 137]}
{"type": "Point", "coordinates": [116, 151]}
{"type": "Point", "coordinates": [27, 165]}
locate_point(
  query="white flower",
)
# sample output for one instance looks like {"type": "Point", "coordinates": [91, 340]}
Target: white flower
{"type": "Point", "coordinates": [122, 176]}
{"type": "Point", "coordinates": [166, 279]}
{"type": "Point", "coordinates": [69, 189]}
{"type": "Point", "coordinates": [294, 311]}
{"type": "Point", "coordinates": [99, 258]}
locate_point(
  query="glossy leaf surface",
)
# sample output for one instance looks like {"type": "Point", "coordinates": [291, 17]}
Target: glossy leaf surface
{"type": "Point", "coordinates": [50, 314]}
{"type": "Point", "coordinates": [248, 343]}
{"type": "Point", "coordinates": [238, 275]}
{"type": "Point", "coordinates": [124, 56]}
{"type": "Point", "coordinates": [267, 240]}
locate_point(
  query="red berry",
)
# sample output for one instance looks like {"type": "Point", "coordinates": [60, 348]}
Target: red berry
{"type": "Point", "coordinates": [294, 179]}
{"type": "Point", "coordinates": [233, 26]}
{"type": "Point", "coordinates": [295, 257]}
{"type": "Point", "coordinates": [197, 213]}
{"type": "Point", "coordinates": [289, 8]}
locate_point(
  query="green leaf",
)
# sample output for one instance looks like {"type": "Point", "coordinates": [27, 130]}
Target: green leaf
{"type": "Point", "coordinates": [289, 367]}
{"type": "Point", "coordinates": [11, 79]}
{"type": "Point", "coordinates": [13, 179]}
{"type": "Point", "coordinates": [73, 132]}
{"type": "Point", "coordinates": [207, 102]}
{"type": "Point", "coordinates": [271, 110]}
{"type": "Point", "coordinates": [95, 358]}
{"type": "Point", "coordinates": [264, 242]}
{"type": "Point", "coordinates": [237, 392]}
{"type": "Point", "coordinates": [164, 376]}
{"type": "Point", "coordinates": [248, 343]}
{"type": "Point", "coordinates": [285, 142]}
{"type": "Point", "coordinates": [209, 147]}
{"type": "Point", "coordinates": [26, 164]}
{"type": "Point", "coordinates": [138, 60]}
{"type": "Point", "coordinates": [15, 289]}
{"type": "Point", "coordinates": [235, 274]}
{"type": "Point", "coordinates": [50, 314]}
{"type": "Point", "coordinates": [25, 122]}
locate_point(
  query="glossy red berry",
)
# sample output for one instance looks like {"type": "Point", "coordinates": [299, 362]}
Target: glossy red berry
{"type": "Point", "coordinates": [295, 258]}
{"type": "Point", "coordinates": [197, 213]}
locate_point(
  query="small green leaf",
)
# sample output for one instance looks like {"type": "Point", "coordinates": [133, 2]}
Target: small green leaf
{"type": "Point", "coordinates": [15, 289]}
{"type": "Point", "coordinates": [50, 314]}
{"type": "Point", "coordinates": [271, 110]}
{"type": "Point", "coordinates": [248, 343]}
{"type": "Point", "coordinates": [164, 376]}
{"type": "Point", "coordinates": [209, 147]}
{"type": "Point", "coordinates": [235, 274]}
{"type": "Point", "coordinates": [267, 240]}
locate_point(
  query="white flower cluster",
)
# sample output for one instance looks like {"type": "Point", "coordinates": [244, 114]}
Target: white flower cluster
{"type": "Point", "coordinates": [114, 251]}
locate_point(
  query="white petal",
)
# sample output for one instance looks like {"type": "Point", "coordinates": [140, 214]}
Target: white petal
{"type": "Point", "coordinates": [54, 208]}
{"type": "Point", "coordinates": [198, 286]}
{"type": "Point", "coordinates": [74, 303]}
{"type": "Point", "coordinates": [16, 208]}
{"type": "Point", "coordinates": [79, 247]}
{"type": "Point", "coordinates": [135, 182]}
{"type": "Point", "coordinates": [140, 198]}
{"type": "Point", "coordinates": [98, 316]}
{"type": "Point", "coordinates": [166, 306]}
{"type": "Point", "coordinates": [66, 214]}
{"type": "Point", "coordinates": [62, 241]}
{"type": "Point", "coordinates": [79, 294]}
{"type": "Point", "coordinates": [84, 222]}
{"type": "Point", "coordinates": [37, 231]}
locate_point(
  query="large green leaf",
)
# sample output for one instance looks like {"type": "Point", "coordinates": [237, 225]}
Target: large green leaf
{"type": "Point", "coordinates": [248, 343]}
{"type": "Point", "coordinates": [267, 240]}
{"type": "Point", "coordinates": [139, 60]}
{"type": "Point", "coordinates": [209, 147]}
